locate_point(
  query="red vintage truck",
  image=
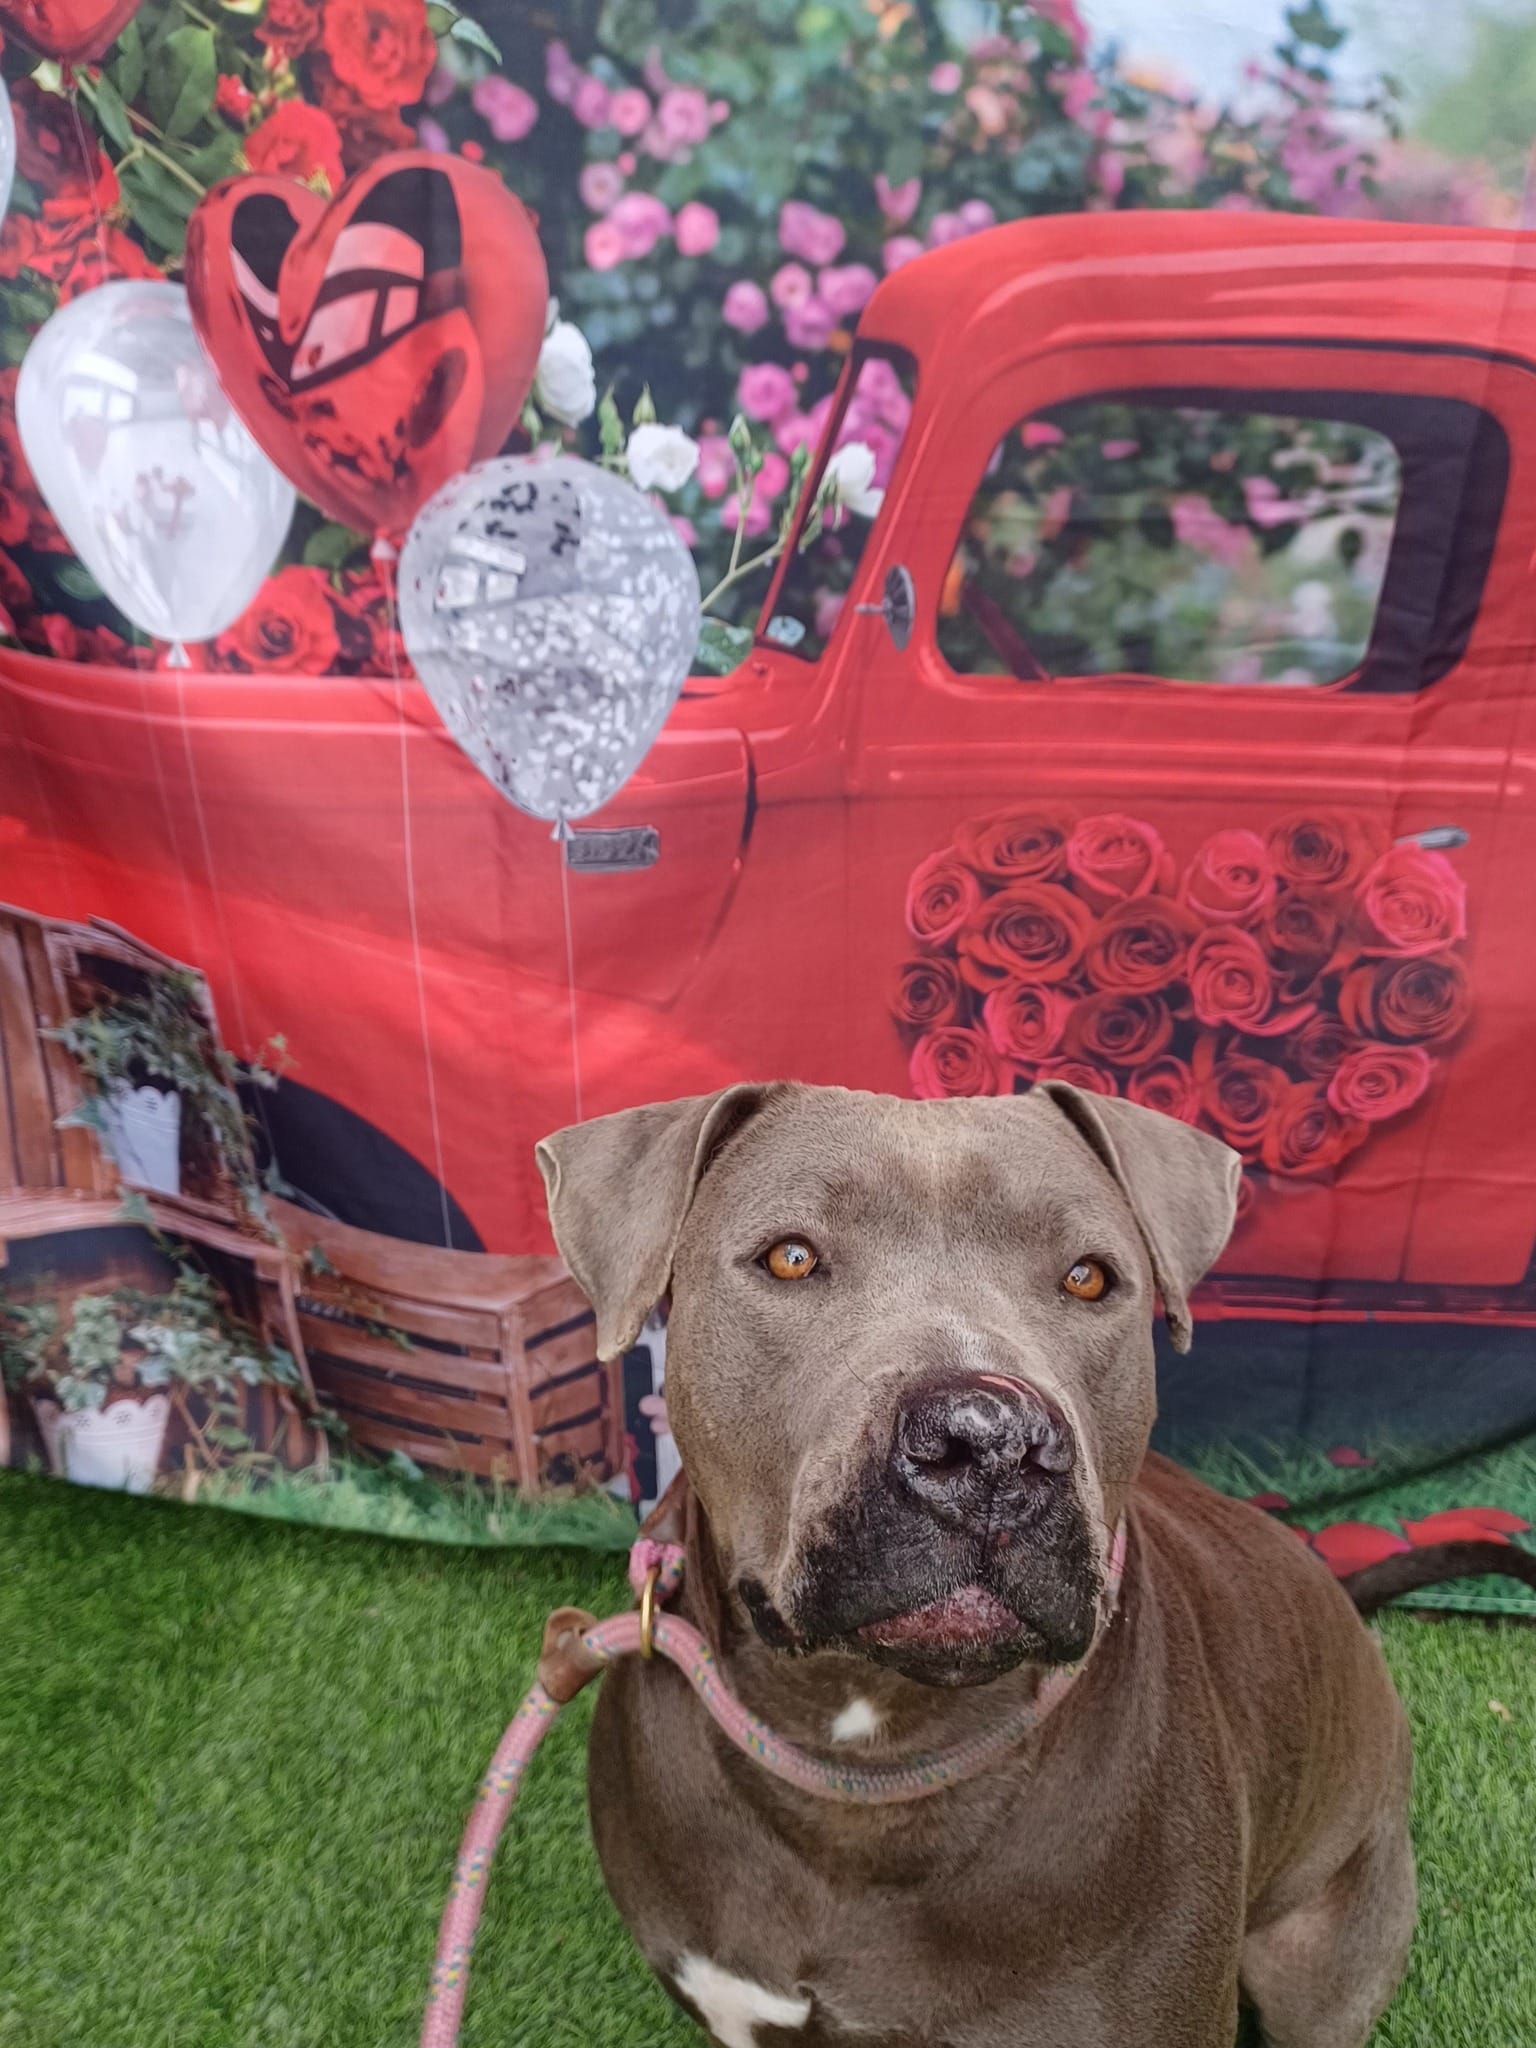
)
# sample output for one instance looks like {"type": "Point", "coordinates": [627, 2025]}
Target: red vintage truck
{"type": "Point", "coordinates": [344, 876]}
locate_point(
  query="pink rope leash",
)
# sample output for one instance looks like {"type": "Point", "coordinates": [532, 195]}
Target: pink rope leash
{"type": "Point", "coordinates": [682, 1645]}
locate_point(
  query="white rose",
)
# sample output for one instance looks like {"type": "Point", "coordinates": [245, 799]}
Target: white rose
{"type": "Point", "coordinates": [849, 479]}
{"type": "Point", "coordinates": [661, 458]}
{"type": "Point", "coordinates": [565, 383]}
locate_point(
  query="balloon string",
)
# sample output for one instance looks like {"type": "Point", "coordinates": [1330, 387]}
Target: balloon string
{"type": "Point", "coordinates": [562, 835]}
{"type": "Point", "coordinates": [383, 560]}
{"type": "Point", "coordinates": [209, 868]}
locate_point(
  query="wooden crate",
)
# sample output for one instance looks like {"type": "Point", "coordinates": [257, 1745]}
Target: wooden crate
{"type": "Point", "coordinates": [467, 1361]}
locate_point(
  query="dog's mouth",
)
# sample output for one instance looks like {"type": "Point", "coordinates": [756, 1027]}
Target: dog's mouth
{"type": "Point", "coordinates": [968, 1618]}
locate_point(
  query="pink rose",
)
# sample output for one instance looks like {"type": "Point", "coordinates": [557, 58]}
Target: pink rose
{"type": "Point", "coordinates": [745, 306]}
{"type": "Point", "coordinates": [641, 220]}
{"type": "Point", "coordinates": [1116, 451]}
{"type": "Point", "coordinates": [683, 116]}
{"type": "Point", "coordinates": [809, 325]}
{"type": "Point", "coordinates": [602, 245]}
{"type": "Point", "coordinates": [629, 110]}
{"type": "Point", "coordinates": [807, 232]}
{"type": "Point", "coordinates": [1111, 169]}
{"type": "Point", "coordinates": [846, 290]}
{"type": "Point", "coordinates": [560, 74]}
{"type": "Point", "coordinates": [1040, 434]}
{"type": "Point", "coordinates": [945, 228]}
{"type": "Point", "coordinates": [696, 228]}
{"type": "Point", "coordinates": [944, 78]}
{"type": "Point", "coordinates": [898, 202]}
{"type": "Point", "coordinates": [505, 108]}
{"type": "Point", "coordinates": [765, 391]}
{"type": "Point", "coordinates": [976, 215]}
{"type": "Point", "coordinates": [589, 102]}
{"type": "Point", "coordinates": [717, 468]}
{"type": "Point", "coordinates": [1198, 525]}
{"type": "Point", "coordinates": [599, 186]}
{"type": "Point", "coordinates": [790, 285]}
{"type": "Point", "coordinates": [898, 250]}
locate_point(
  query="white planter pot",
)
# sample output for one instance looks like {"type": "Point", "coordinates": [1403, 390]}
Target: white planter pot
{"type": "Point", "coordinates": [117, 1446]}
{"type": "Point", "coordinates": [143, 1134]}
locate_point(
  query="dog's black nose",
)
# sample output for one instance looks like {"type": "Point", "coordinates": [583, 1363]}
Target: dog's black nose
{"type": "Point", "coordinates": [958, 1444]}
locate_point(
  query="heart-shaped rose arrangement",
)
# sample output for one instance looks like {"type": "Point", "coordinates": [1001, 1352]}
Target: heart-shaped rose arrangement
{"type": "Point", "coordinates": [1289, 993]}
{"type": "Point", "coordinates": [378, 343]}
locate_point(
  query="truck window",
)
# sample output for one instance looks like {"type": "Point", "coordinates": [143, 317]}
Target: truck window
{"type": "Point", "coordinates": [844, 495]}
{"type": "Point", "coordinates": [1235, 538]}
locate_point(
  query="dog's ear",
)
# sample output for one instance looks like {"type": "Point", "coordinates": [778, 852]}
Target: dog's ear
{"type": "Point", "coordinates": [1181, 1185]}
{"type": "Point", "coordinates": [619, 1188]}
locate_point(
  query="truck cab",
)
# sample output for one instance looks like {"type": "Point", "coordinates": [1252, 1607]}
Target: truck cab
{"type": "Point", "coordinates": [1049, 617]}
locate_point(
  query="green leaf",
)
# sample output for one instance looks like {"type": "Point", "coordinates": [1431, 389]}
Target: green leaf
{"type": "Point", "coordinates": [159, 223]}
{"type": "Point", "coordinates": [474, 36]}
{"type": "Point", "coordinates": [111, 112]}
{"type": "Point", "coordinates": [1311, 24]}
{"type": "Point", "coordinates": [721, 648]}
{"type": "Point", "coordinates": [331, 545]}
{"type": "Point", "coordinates": [184, 79]}
{"type": "Point", "coordinates": [76, 581]}
{"type": "Point", "coordinates": [217, 159]}
{"type": "Point", "coordinates": [610, 427]}
{"type": "Point", "coordinates": [440, 19]}
{"type": "Point", "coordinates": [226, 1435]}
{"type": "Point", "coordinates": [403, 1466]}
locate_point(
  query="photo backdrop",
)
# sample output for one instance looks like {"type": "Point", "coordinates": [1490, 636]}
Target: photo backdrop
{"type": "Point", "coordinates": [1103, 451]}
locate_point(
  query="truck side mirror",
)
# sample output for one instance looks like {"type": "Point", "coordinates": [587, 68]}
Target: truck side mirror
{"type": "Point", "coordinates": [897, 606]}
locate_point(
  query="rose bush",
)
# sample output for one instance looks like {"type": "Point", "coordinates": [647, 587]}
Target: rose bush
{"type": "Point", "coordinates": [716, 207]}
{"type": "Point", "coordinates": [1271, 989]}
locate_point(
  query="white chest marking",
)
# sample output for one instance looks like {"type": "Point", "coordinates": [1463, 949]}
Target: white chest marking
{"type": "Point", "coordinates": [734, 2007]}
{"type": "Point", "coordinates": [857, 1722]}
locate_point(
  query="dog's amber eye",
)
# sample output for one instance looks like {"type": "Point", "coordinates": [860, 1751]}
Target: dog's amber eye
{"type": "Point", "coordinates": [790, 1259]}
{"type": "Point", "coordinates": [1087, 1280]}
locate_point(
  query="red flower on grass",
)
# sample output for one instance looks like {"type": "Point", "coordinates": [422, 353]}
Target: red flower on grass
{"type": "Point", "coordinates": [1465, 1525]}
{"type": "Point", "coordinates": [1347, 1547]}
{"type": "Point", "coordinates": [290, 628]}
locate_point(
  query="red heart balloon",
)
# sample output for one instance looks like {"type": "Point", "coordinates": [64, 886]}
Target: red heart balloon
{"type": "Point", "coordinates": [378, 343]}
{"type": "Point", "coordinates": [73, 30]}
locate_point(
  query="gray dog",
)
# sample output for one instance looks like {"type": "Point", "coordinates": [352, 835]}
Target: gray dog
{"type": "Point", "coordinates": [910, 1374]}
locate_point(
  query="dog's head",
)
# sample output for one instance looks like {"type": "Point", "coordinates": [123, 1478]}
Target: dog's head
{"type": "Point", "coordinates": [909, 1355]}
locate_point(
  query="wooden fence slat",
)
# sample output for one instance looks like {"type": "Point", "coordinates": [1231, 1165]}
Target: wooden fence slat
{"type": "Point", "coordinates": [84, 1162]}
{"type": "Point", "coordinates": [352, 1389]}
{"type": "Point", "coordinates": [485, 1460]}
{"type": "Point", "coordinates": [442, 1368]}
{"type": "Point", "coordinates": [475, 1329]}
{"type": "Point", "coordinates": [32, 1134]}
{"type": "Point", "coordinates": [560, 1355]}
{"type": "Point", "coordinates": [577, 1396]}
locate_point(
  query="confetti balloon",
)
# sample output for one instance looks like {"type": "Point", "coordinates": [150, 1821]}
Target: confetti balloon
{"type": "Point", "coordinates": [552, 613]}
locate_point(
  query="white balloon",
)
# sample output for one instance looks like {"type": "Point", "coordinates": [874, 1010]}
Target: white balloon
{"type": "Point", "coordinates": [7, 149]}
{"type": "Point", "coordinates": [552, 613]}
{"type": "Point", "coordinates": [158, 487]}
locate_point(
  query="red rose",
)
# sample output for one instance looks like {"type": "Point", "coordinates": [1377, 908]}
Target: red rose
{"type": "Point", "coordinates": [1231, 982]}
{"type": "Point", "coordinates": [1025, 1022]}
{"type": "Point", "coordinates": [1238, 1094]}
{"type": "Point", "coordinates": [297, 141]}
{"type": "Point", "coordinates": [1114, 858]}
{"type": "Point", "coordinates": [1380, 1081]}
{"type": "Point", "coordinates": [941, 896]}
{"type": "Point", "coordinates": [1231, 880]}
{"type": "Point", "coordinates": [15, 590]}
{"type": "Point", "coordinates": [1167, 1085]}
{"type": "Point", "coordinates": [928, 993]}
{"type": "Point", "coordinates": [99, 258]}
{"type": "Point", "coordinates": [1301, 932]}
{"type": "Point", "coordinates": [1142, 945]}
{"type": "Point", "coordinates": [367, 628]}
{"type": "Point", "coordinates": [232, 96]}
{"type": "Point", "coordinates": [1323, 849]}
{"type": "Point", "coordinates": [1306, 1134]}
{"type": "Point", "coordinates": [383, 49]}
{"type": "Point", "coordinates": [1015, 846]}
{"type": "Point", "coordinates": [290, 27]}
{"type": "Point", "coordinates": [1320, 1044]}
{"type": "Point", "coordinates": [1412, 1002]}
{"type": "Point", "coordinates": [1119, 1029]}
{"type": "Point", "coordinates": [1031, 931]}
{"type": "Point", "coordinates": [289, 629]}
{"type": "Point", "coordinates": [367, 132]}
{"type": "Point", "coordinates": [954, 1061]}
{"type": "Point", "coordinates": [47, 147]}
{"type": "Point", "coordinates": [1412, 901]}
{"type": "Point", "coordinates": [1080, 1073]}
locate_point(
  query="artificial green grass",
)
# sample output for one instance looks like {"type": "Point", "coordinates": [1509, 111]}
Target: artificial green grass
{"type": "Point", "coordinates": [235, 1761]}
